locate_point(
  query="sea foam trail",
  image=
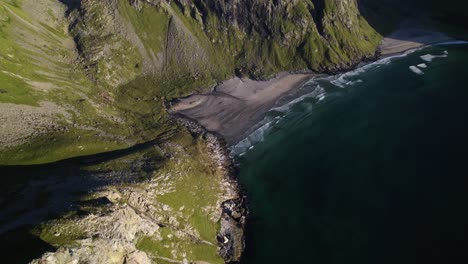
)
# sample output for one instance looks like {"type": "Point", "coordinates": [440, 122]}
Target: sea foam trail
{"type": "Point", "coordinates": [318, 93]}
{"type": "Point", "coordinates": [430, 57]}
{"type": "Point", "coordinates": [246, 144]}
{"type": "Point", "coordinates": [258, 135]}
{"type": "Point", "coordinates": [343, 80]}
{"type": "Point", "coordinates": [416, 70]}
{"type": "Point", "coordinates": [453, 42]}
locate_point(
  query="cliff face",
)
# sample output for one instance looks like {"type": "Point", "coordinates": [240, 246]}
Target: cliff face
{"type": "Point", "coordinates": [213, 38]}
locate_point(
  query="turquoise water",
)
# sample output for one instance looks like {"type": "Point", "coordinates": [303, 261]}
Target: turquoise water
{"type": "Point", "coordinates": [370, 167]}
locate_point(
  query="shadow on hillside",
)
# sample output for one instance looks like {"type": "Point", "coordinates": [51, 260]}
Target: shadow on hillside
{"type": "Point", "coordinates": [71, 5]}
{"type": "Point", "coordinates": [33, 194]}
{"type": "Point", "coordinates": [383, 15]}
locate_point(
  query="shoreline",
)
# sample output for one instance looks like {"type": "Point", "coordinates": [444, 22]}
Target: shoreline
{"type": "Point", "coordinates": [234, 211]}
{"type": "Point", "coordinates": [406, 39]}
{"type": "Point", "coordinates": [234, 216]}
{"type": "Point", "coordinates": [235, 107]}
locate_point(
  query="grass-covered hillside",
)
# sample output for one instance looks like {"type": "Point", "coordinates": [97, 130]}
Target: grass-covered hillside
{"type": "Point", "coordinates": [50, 109]}
{"type": "Point", "coordinates": [88, 76]}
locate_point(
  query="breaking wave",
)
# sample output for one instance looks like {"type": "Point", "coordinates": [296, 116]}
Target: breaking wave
{"type": "Point", "coordinates": [346, 79]}
{"type": "Point", "coordinates": [257, 136]}
{"type": "Point", "coordinates": [318, 92]}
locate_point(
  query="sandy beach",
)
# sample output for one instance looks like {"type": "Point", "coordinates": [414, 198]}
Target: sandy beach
{"type": "Point", "coordinates": [238, 104]}
{"type": "Point", "coordinates": [410, 38]}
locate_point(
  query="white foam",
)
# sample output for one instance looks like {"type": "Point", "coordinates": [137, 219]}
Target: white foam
{"type": "Point", "coordinates": [342, 80]}
{"type": "Point", "coordinates": [453, 42]}
{"type": "Point", "coordinates": [318, 91]}
{"type": "Point", "coordinates": [320, 97]}
{"type": "Point", "coordinates": [422, 66]}
{"type": "Point", "coordinates": [247, 144]}
{"type": "Point", "coordinates": [353, 82]}
{"type": "Point", "coordinates": [416, 70]}
{"type": "Point", "coordinates": [430, 57]}
{"type": "Point", "coordinates": [427, 57]}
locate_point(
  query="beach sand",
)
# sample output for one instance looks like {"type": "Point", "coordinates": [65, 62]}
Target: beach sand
{"type": "Point", "coordinates": [237, 105]}
{"type": "Point", "coordinates": [410, 38]}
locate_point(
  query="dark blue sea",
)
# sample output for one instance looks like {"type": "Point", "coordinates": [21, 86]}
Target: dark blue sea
{"type": "Point", "coordinates": [366, 167]}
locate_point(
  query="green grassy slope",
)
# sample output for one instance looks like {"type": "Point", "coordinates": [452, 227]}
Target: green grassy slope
{"type": "Point", "coordinates": [38, 64]}
{"type": "Point", "coordinates": [109, 66]}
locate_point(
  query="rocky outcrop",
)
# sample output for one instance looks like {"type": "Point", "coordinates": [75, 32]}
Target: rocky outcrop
{"type": "Point", "coordinates": [113, 239]}
{"type": "Point", "coordinates": [115, 219]}
{"type": "Point", "coordinates": [231, 237]}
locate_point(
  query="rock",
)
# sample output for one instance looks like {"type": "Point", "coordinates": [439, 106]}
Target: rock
{"type": "Point", "coordinates": [137, 257]}
{"type": "Point", "coordinates": [111, 237]}
{"type": "Point", "coordinates": [231, 238]}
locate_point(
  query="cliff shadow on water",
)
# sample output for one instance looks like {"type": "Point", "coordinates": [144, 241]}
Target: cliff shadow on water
{"type": "Point", "coordinates": [34, 194]}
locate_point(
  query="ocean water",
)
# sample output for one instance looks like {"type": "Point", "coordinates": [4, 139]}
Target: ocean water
{"type": "Point", "coordinates": [367, 167]}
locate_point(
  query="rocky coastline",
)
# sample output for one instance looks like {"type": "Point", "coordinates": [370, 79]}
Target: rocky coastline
{"type": "Point", "coordinates": [234, 217]}
{"type": "Point", "coordinates": [234, 211]}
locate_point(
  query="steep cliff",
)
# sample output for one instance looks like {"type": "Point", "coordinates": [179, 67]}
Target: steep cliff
{"type": "Point", "coordinates": [214, 38]}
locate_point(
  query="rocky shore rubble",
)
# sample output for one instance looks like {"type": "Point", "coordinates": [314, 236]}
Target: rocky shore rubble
{"type": "Point", "coordinates": [231, 237]}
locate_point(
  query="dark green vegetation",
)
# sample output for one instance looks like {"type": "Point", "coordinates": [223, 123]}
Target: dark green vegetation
{"type": "Point", "coordinates": [374, 173]}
